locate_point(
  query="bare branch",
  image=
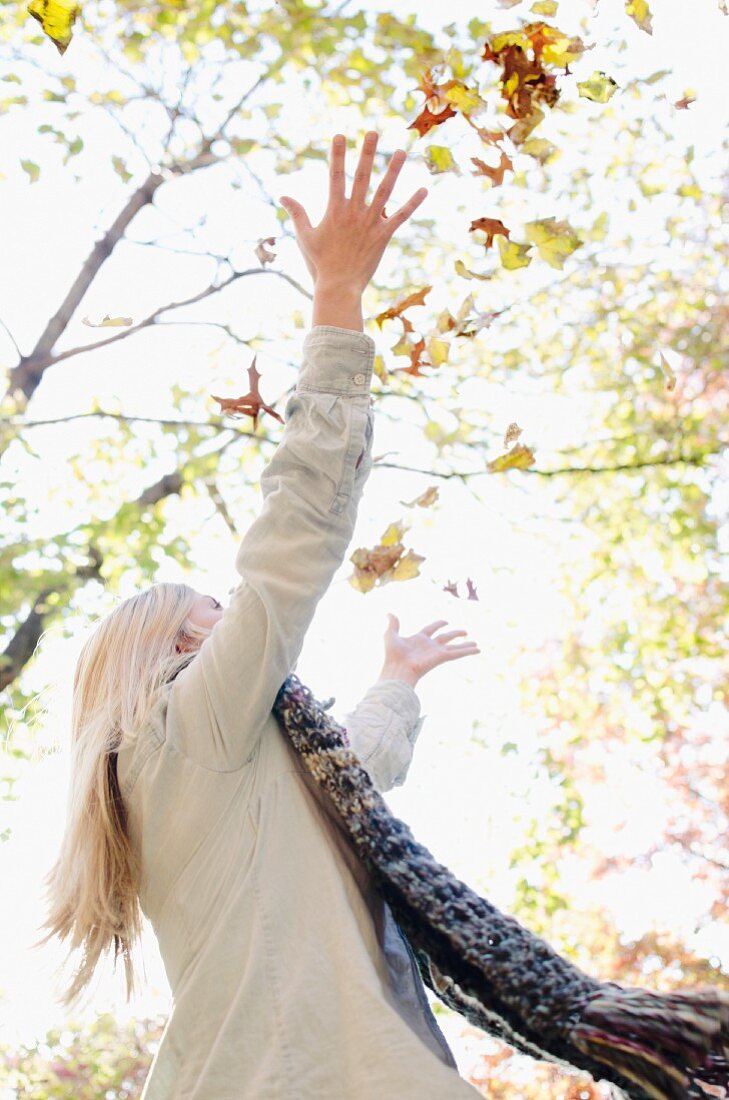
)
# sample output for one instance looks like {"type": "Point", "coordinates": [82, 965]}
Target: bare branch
{"type": "Point", "coordinates": [14, 341]}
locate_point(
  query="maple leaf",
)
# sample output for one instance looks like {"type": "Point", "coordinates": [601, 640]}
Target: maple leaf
{"type": "Point", "coordinates": [452, 588]}
{"type": "Point", "coordinates": [495, 174]}
{"type": "Point", "coordinates": [683, 104]}
{"type": "Point", "coordinates": [417, 298]}
{"type": "Point", "coordinates": [263, 254]}
{"type": "Point", "coordinates": [56, 17]}
{"type": "Point", "coordinates": [426, 120]}
{"type": "Point", "coordinates": [249, 404]}
{"type": "Point", "coordinates": [555, 240]}
{"type": "Point", "coordinates": [472, 594]}
{"type": "Point", "coordinates": [491, 227]}
{"type": "Point", "coordinates": [514, 254]}
{"type": "Point", "coordinates": [425, 499]}
{"type": "Point", "coordinates": [518, 458]}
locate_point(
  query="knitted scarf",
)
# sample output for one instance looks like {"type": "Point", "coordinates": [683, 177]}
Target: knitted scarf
{"type": "Point", "coordinates": [493, 971]}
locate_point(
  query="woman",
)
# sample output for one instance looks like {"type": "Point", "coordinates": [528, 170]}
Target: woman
{"type": "Point", "coordinates": [289, 975]}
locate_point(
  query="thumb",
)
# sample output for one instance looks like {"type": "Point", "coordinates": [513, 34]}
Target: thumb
{"type": "Point", "coordinates": [295, 211]}
{"type": "Point", "coordinates": [394, 623]}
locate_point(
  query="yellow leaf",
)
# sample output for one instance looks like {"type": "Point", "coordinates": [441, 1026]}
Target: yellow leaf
{"type": "Point", "coordinates": [518, 458]}
{"type": "Point", "coordinates": [406, 568]}
{"type": "Point", "coordinates": [545, 7]}
{"type": "Point", "coordinates": [440, 159]}
{"type": "Point", "coordinates": [466, 273]}
{"type": "Point", "coordinates": [393, 534]}
{"type": "Point", "coordinates": [554, 240]}
{"type": "Point", "coordinates": [464, 99]}
{"type": "Point", "coordinates": [641, 13]}
{"type": "Point", "coordinates": [598, 87]}
{"type": "Point", "coordinates": [437, 350]}
{"type": "Point", "coordinates": [540, 149]}
{"type": "Point", "coordinates": [109, 322]}
{"type": "Point", "coordinates": [690, 191]}
{"type": "Point", "coordinates": [513, 254]}
{"type": "Point", "coordinates": [56, 17]}
{"type": "Point", "coordinates": [670, 376]}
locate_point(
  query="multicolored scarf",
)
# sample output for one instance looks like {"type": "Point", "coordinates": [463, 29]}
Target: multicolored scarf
{"type": "Point", "coordinates": [493, 971]}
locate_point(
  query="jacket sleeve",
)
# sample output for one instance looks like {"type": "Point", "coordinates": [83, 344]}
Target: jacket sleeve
{"type": "Point", "coordinates": [383, 729]}
{"type": "Point", "coordinates": [311, 489]}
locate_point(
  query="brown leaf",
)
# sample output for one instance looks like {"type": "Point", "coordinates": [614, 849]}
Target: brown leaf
{"type": "Point", "coordinates": [263, 255]}
{"type": "Point", "coordinates": [495, 174]}
{"type": "Point", "coordinates": [249, 404]}
{"type": "Point", "coordinates": [425, 499]}
{"type": "Point", "coordinates": [490, 226]}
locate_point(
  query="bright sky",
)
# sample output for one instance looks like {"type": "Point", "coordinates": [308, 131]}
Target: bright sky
{"type": "Point", "coordinates": [464, 800]}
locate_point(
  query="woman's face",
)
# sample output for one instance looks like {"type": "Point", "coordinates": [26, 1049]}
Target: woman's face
{"type": "Point", "coordinates": [206, 611]}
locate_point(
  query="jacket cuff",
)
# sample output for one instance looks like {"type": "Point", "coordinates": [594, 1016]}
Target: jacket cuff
{"type": "Point", "coordinates": [402, 699]}
{"type": "Point", "coordinates": [337, 360]}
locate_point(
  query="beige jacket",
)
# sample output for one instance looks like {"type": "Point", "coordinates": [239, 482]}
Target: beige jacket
{"type": "Point", "coordinates": [290, 978]}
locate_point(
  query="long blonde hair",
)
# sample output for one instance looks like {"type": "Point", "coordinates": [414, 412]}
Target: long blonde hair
{"type": "Point", "coordinates": [91, 889]}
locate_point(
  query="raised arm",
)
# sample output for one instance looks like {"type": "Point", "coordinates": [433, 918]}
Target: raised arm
{"type": "Point", "coordinates": [382, 730]}
{"type": "Point", "coordinates": [311, 487]}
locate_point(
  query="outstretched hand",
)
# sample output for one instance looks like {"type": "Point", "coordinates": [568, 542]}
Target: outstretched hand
{"type": "Point", "coordinates": [409, 658]}
{"type": "Point", "coordinates": [347, 244]}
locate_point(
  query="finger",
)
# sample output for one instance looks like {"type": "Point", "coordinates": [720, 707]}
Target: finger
{"type": "Point", "coordinates": [432, 627]}
{"type": "Point", "coordinates": [394, 221]}
{"type": "Point", "coordinates": [449, 635]}
{"type": "Point", "coordinates": [394, 623]}
{"type": "Point", "coordinates": [336, 169]}
{"type": "Point", "coordinates": [388, 181]}
{"type": "Point", "coordinates": [296, 212]}
{"type": "Point", "coordinates": [465, 649]}
{"type": "Point", "coordinates": [364, 168]}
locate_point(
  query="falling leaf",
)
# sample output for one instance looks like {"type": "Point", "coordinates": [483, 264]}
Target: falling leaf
{"type": "Point", "coordinates": [452, 588]}
{"type": "Point", "coordinates": [466, 273]}
{"type": "Point", "coordinates": [545, 7]}
{"type": "Point", "coordinates": [512, 434]}
{"type": "Point", "coordinates": [494, 173]}
{"type": "Point", "coordinates": [437, 351]}
{"type": "Point", "coordinates": [263, 254]}
{"type": "Point", "coordinates": [598, 87]}
{"type": "Point", "coordinates": [385, 562]}
{"type": "Point", "coordinates": [639, 11]}
{"type": "Point", "coordinates": [415, 299]}
{"type": "Point", "coordinates": [31, 168]}
{"type": "Point", "coordinates": [56, 17]}
{"type": "Point", "coordinates": [555, 240]}
{"type": "Point", "coordinates": [472, 593]}
{"type": "Point", "coordinates": [670, 376]}
{"type": "Point", "coordinates": [109, 322]}
{"type": "Point", "coordinates": [540, 149]}
{"type": "Point", "coordinates": [491, 227]}
{"type": "Point", "coordinates": [514, 254]}
{"type": "Point", "coordinates": [518, 458]}
{"type": "Point", "coordinates": [439, 158]}
{"type": "Point", "coordinates": [425, 499]}
{"type": "Point", "coordinates": [426, 120]}
{"type": "Point", "coordinates": [250, 404]}
{"type": "Point", "coordinates": [683, 104]}
{"type": "Point", "coordinates": [120, 168]}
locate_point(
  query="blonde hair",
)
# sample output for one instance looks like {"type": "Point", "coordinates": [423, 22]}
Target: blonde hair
{"type": "Point", "coordinates": [91, 889]}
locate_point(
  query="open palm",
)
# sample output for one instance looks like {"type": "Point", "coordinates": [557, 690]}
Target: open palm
{"type": "Point", "coordinates": [418, 653]}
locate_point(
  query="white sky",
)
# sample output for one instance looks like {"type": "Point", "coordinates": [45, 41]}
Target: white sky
{"type": "Point", "coordinates": [463, 800]}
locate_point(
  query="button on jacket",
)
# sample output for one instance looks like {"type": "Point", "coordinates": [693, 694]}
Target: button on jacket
{"type": "Point", "coordinates": [290, 978]}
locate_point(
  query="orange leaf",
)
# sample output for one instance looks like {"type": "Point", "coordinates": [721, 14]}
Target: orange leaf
{"type": "Point", "coordinates": [490, 226]}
